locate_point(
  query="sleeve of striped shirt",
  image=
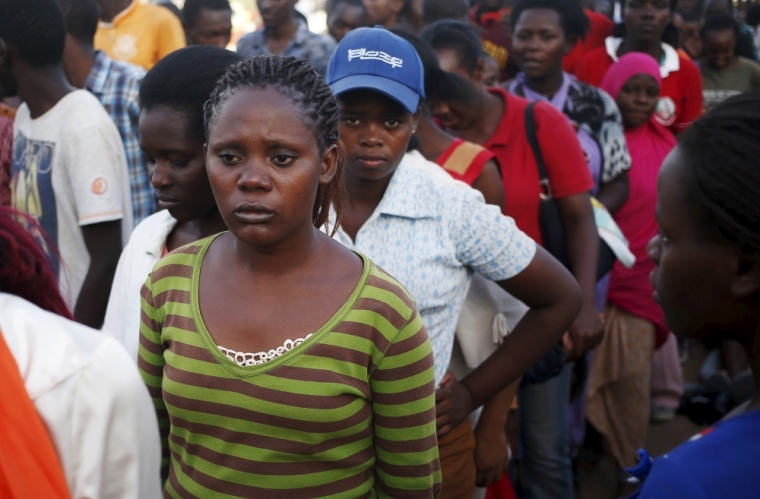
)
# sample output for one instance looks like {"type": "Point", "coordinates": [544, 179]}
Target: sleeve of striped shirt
{"type": "Point", "coordinates": [150, 361]}
{"type": "Point", "coordinates": [403, 390]}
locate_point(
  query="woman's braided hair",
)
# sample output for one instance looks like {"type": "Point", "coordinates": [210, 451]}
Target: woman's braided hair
{"type": "Point", "coordinates": [723, 180]}
{"type": "Point", "coordinates": [296, 79]}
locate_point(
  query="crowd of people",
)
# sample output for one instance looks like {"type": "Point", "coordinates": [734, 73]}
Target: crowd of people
{"type": "Point", "coordinates": [445, 250]}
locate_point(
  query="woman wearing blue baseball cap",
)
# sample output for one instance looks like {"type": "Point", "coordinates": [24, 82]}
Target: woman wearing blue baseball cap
{"type": "Point", "coordinates": [431, 232]}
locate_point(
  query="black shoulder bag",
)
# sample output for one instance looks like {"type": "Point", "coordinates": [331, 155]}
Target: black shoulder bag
{"type": "Point", "coordinates": [549, 217]}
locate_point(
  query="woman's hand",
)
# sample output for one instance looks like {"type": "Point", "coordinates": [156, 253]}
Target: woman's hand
{"type": "Point", "coordinates": [491, 454]}
{"type": "Point", "coordinates": [586, 332]}
{"type": "Point", "coordinates": [453, 403]}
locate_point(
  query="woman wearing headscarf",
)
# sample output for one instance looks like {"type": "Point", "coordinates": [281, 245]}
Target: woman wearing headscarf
{"type": "Point", "coordinates": [619, 380]}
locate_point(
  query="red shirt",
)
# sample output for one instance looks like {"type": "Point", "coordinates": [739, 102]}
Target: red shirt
{"type": "Point", "coordinates": [681, 93]}
{"type": "Point", "coordinates": [464, 160]}
{"type": "Point", "coordinates": [565, 162]}
{"type": "Point", "coordinates": [601, 27]}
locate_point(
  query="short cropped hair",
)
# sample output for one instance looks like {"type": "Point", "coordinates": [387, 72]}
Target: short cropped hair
{"type": "Point", "coordinates": [457, 36]}
{"type": "Point", "coordinates": [184, 80]}
{"type": "Point", "coordinates": [192, 8]}
{"type": "Point", "coordinates": [720, 22]}
{"type": "Point", "coordinates": [35, 28]}
{"type": "Point", "coordinates": [81, 19]}
{"type": "Point", "coordinates": [437, 10]}
{"type": "Point", "coordinates": [575, 23]}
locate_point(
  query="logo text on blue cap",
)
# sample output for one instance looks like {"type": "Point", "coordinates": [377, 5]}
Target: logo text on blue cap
{"type": "Point", "coordinates": [375, 55]}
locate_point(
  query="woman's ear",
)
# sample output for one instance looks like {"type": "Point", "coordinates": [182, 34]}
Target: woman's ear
{"type": "Point", "coordinates": [746, 278]}
{"type": "Point", "coordinates": [570, 43]}
{"type": "Point", "coordinates": [330, 163]}
{"type": "Point", "coordinates": [478, 74]}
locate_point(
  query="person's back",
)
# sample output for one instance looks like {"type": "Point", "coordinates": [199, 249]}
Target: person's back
{"type": "Point", "coordinates": [138, 33]}
{"type": "Point", "coordinates": [116, 85]}
{"type": "Point", "coordinates": [282, 34]}
{"type": "Point", "coordinates": [92, 400]}
{"type": "Point", "coordinates": [89, 422]}
{"type": "Point", "coordinates": [69, 171]}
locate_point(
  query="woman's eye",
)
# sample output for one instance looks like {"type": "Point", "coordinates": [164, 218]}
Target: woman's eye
{"type": "Point", "coordinates": [392, 123]}
{"type": "Point", "coordinates": [179, 164]}
{"type": "Point", "coordinates": [352, 121]}
{"type": "Point", "coordinates": [283, 160]}
{"type": "Point", "coordinates": [228, 158]}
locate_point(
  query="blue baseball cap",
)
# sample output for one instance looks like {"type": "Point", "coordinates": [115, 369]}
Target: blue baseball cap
{"type": "Point", "coordinates": [376, 59]}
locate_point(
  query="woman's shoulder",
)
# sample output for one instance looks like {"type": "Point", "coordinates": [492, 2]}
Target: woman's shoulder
{"type": "Point", "coordinates": [383, 294]}
{"type": "Point", "coordinates": [179, 264]}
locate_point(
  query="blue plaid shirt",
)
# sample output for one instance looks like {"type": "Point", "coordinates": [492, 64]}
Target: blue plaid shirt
{"type": "Point", "coordinates": [116, 85]}
{"type": "Point", "coordinates": [317, 49]}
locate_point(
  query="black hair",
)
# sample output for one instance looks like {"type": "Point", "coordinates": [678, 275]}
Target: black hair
{"type": "Point", "coordinates": [192, 8]}
{"type": "Point", "coordinates": [184, 80]}
{"type": "Point", "coordinates": [439, 85]}
{"type": "Point", "coordinates": [81, 18]}
{"type": "Point", "coordinates": [671, 35]}
{"type": "Point", "coordinates": [575, 23]}
{"type": "Point", "coordinates": [457, 36]}
{"type": "Point", "coordinates": [753, 15]}
{"type": "Point", "coordinates": [35, 28]}
{"type": "Point", "coordinates": [298, 80]}
{"type": "Point", "coordinates": [719, 23]}
{"type": "Point", "coordinates": [169, 5]}
{"type": "Point", "coordinates": [437, 10]}
{"type": "Point", "coordinates": [723, 180]}
{"type": "Point", "coordinates": [331, 4]}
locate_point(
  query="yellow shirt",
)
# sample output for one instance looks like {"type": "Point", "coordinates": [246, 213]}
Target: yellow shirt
{"type": "Point", "coordinates": [141, 34]}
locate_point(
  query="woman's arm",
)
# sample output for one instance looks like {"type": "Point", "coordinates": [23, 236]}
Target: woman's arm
{"type": "Point", "coordinates": [614, 193]}
{"type": "Point", "coordinates": [582, 239]}
{"type": "Point", "coordinates": [554, 299]}
{"type": "Point", "coordinates": [489, 184]}
{"type": "Point", "coordinates": [403, 407]}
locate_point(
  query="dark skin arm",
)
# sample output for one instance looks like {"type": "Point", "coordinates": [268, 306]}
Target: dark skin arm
{"type": "Point", "coordinates": [491, 454]}
{"type": "Point", "coordinates": [103, 242]}
{"type": "Point", "coordinates": [583, 252]}
{"type": "Point", "coordinates": [554, 299]}
{"type": "Point", "coordinates": [489, 184]}
{"type": "Point", "coordinates": [614, 193]}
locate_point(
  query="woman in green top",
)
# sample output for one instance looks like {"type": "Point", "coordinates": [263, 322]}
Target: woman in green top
{"type": "Point", "coordinates": [282, 364]}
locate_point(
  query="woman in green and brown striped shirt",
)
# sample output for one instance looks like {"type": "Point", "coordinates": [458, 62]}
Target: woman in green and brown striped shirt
{"type": "Point", "coordinates": [282, 364]}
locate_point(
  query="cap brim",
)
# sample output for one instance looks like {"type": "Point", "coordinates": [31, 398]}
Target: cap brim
{"type": "Point", "coordinates": [391, 89]}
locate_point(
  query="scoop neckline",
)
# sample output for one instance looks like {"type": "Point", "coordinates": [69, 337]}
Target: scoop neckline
{"type": "Point", "coordinates": [249, 371]}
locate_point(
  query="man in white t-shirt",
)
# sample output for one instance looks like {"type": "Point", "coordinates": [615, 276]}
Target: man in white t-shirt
{"type": "Point", "coordinates": [69, 169]}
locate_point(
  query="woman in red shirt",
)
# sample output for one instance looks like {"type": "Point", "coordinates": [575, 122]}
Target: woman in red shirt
{"type": "Point", "coordinates": [495, 119]}
{"type": "Point", "coordinates": [644, 23]}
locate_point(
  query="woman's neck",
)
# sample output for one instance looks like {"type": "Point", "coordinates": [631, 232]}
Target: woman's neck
{"type": "Point", "coordinates": [653, 48]}
{"type": "Point", "coordinates": [433, 140]}
{"type": "Point", "coordinates": [547, 85]}
{"type": "Point", "coordinates": [194, 230]}
{"type": "Point", "coordinates": [489, 108]}
{"type": "Point", "coordinates": [364, 194]}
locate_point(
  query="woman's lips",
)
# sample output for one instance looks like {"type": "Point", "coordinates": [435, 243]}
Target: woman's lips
{"type": "Point", "coordinates": [165, 202]}
{"type": "Point", "coordinates": [371, 161]}
{"type": "Point", "coordinates": [253, 214]}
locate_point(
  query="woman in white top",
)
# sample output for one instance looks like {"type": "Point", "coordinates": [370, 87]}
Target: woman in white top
{"type": "Point", "coordinates": [172, 137]}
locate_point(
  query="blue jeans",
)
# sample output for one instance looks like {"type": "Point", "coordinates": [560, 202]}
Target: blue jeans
{"type": "Point", "coordinates": [545, 435]}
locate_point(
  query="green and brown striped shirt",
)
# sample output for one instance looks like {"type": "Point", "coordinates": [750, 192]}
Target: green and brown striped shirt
{"type": "Point", "coordinates": [348, 413]}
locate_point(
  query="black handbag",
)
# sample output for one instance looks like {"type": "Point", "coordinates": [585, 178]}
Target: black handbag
{"type": "Point", "coordinates": [549, 217]}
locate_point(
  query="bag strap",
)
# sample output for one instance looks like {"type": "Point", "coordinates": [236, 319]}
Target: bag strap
{"type": "Point", "coordinates": [530, 131]}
